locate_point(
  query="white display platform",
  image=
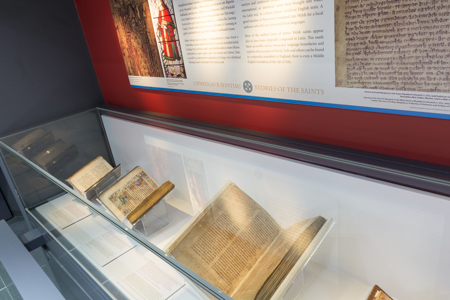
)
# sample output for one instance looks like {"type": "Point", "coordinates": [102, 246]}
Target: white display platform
{"type": "Point", "coordinates": [134, 270]}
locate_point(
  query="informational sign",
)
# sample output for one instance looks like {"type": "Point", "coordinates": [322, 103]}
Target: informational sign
{"type": "Point", "coordinates": [380, 56]}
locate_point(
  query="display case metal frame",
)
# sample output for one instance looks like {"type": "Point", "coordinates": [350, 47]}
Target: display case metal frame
{"type": "Point", "coordinates": [416, 174]}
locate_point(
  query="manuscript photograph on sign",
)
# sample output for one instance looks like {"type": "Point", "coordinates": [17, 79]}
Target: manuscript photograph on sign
{"type": "Point", "coordinates": [398, 46]}
{"type": "Point", "coordinates": [164, 21]}
{"type": "Point", "coordinates": [137, 38]}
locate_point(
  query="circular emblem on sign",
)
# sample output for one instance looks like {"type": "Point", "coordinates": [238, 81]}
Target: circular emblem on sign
{"type": "Point", "coordinates": [248, 87]}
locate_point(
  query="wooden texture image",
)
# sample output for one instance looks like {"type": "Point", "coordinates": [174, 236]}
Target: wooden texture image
{"type": "Point", "coordinates": [137, 37]}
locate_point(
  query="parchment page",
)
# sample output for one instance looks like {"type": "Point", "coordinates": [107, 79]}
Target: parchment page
{"type": "Point", "coordinates": [268, 262]}
{"type": "Point", "coordinates": [128, 192]}
{"type": "Point", "coordinates": [294, 259]}
{"type": "Point", "coordinates": [90, 174]}
{"type": "Point", "coordinates": [227, 239]}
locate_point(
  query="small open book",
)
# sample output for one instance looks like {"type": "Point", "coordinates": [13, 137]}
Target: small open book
{"type": "Point", "coordinates": [130, 197]}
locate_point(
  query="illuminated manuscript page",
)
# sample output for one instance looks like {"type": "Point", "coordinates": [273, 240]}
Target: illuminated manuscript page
{"type": "Point", "coordinates": [128, 192]}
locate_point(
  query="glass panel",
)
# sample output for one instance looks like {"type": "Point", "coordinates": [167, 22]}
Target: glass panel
{"type": "Point", "coordinates": [62, 147]}
{"type": "Point", "coordinates": [115, 261]}
{"type": "Point", "coordinates": [80, 241]}
{"type": "Point", "coordinates": [83, 237]}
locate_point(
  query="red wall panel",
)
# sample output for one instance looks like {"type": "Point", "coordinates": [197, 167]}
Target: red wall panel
{"type": "Point", "coordinates": [418, 138]}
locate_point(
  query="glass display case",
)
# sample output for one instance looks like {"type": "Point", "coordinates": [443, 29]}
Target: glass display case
{"type": "Point", "coordinates": [249, 216]}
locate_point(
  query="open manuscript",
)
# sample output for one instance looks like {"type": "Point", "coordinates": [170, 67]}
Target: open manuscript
{"type": "Point", "coordinates": [238, 247]}
{"type": "Point", "coordinates": [130, 197]}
